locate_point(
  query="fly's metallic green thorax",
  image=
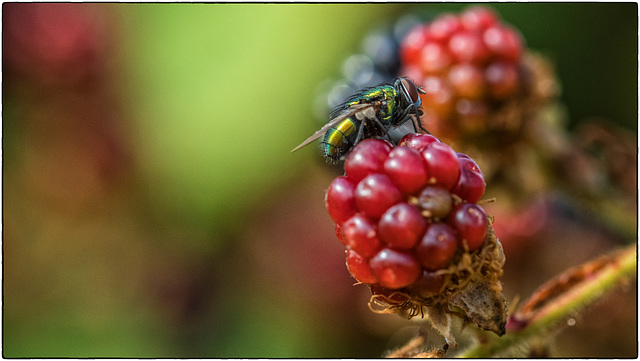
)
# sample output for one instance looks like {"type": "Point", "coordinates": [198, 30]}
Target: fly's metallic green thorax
{"type": "Point", "coordinates": [386, 94]}
{"type": "Point", "coordinates": [371, 113]}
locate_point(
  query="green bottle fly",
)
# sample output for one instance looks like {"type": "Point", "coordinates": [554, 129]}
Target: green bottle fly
{"type": "Point", "coordinates": [371, 113]}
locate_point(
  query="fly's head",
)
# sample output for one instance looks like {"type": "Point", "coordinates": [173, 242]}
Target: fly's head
{"type": "Point", "coordinates": [409, 93]}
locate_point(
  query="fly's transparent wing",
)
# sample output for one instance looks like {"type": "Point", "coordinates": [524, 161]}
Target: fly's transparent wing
{"type": "Point", "coordinates": [353, 109]}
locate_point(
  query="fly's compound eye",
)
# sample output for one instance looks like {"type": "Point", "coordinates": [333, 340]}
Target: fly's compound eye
{"type": "Point", "coordinates": [411, 90]}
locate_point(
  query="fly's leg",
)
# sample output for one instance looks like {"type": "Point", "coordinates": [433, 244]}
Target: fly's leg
{"type": "Point", "coordinates": [383, 128]}
{"type": "Point", "coordinates": [360, 132]}
{"type": "Point", "coordinates": [417, 112]}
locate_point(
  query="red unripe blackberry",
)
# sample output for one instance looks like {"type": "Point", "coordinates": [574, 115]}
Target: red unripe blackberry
{"type": "Point", "coordinates": [472, 225]}
{"type": "Point", "coordinates": [471, 69]}
{"type": "Point", "coordinates": [340, 199]}
{"type": "Point", "coordinates": [405, 224]}
{"type": "Point", "coordinates": [406, 169]}
{"type": "Point", "coordinates": [471, 185]}
{"type": "Point", "coordinates": [359, 268]}
{"type": "Point", "coordinates": [442, 165]}
{"type": "Point", "coordinates": [367, 158]}
{"type": "Point", "coordinates": [401, 226]}
{"type": "Point", "coordinates": [477, 18]}
{"type": "Point", "coordinates": [437, 247]}
{"type": "Point", "coordinates": [394, 269]}
{"type": "Point", "coordinates": [375, 194]}
{"type": "Point", "coordinates": [417, 141]}
{"type": "Point", "coordinates": [360, 235]}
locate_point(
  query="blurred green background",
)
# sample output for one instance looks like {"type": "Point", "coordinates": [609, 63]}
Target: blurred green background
{"type": "Point", "coordinates": [151, 206]}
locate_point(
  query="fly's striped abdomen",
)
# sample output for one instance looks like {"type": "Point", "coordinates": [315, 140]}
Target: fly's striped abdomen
{"type": "Point", "coordinates": [339, 139]}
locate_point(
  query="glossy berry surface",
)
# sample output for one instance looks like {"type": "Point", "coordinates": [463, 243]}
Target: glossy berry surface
{"type": "Point", "coordinates": [360, 235]}
{"type": "Point", "coordinates": [471, 185]}
{"type": "Point", "coordinates": [375, 194]}
{"type": "Point", "coordinates": [394, 269]}
{"type": "Point", "coordinates": [401, 226]}
{"type": "Point", "coordinates": [417, 141]}
{"type": "Point", "coordinates": [340, 200]}
{"type": "Point", "coordinates": [368, 158]}
{"type": "Point", "coordinates": [405, 212]}
{"type": "Point", "coordinates": [359, 268]}
{"type": "Point", "coordinates": [442, 165]}
{"type": "Point", "coordinates": [437, 247]}
{"type": "Point", "coordinates": [470, 221]}
{"type": "Point", "coordinates": [406, 169]}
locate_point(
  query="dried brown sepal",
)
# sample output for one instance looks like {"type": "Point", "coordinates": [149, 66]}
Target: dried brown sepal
{"type": "Point", "coordinates": [471, 283]}
{"type": "Point", "coordinates": [483, 305]}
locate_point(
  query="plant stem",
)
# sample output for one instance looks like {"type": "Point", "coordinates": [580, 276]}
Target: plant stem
{"type": "Point", "coordinates": [618, 269]}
